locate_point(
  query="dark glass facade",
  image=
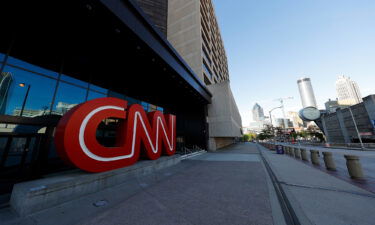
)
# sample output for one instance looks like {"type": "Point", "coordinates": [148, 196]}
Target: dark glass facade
{"type": "Point", "coordinates": [37, 91]}
{"type": "Point", "coordinates": [30, 91]}
{"type": "Point", "coordinates": [102, 49]}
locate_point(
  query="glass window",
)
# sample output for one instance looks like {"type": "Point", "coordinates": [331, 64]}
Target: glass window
{"type": "Point", "coordinates": [19, 86]}
{"type": "Point", "coordinates": [16, 62]}
{"type": "Point", "coordinates": [74, 81]}
{"type": "Point", "coordinates": [207, 71]}
{"type": "Point", "coordinates": [67, 97]}
{"type": "Point", "coordinates": [115, 95]}
{"type": "Point", "coordinates": [2, 57]}
{"type": "Point", "coordinates": [16, 151]}
{"type": "Point", "coordinates": [97, 88]}
{"type": "Point", "coordinates": [145, 106]}
{"type": "Point", "coordinates": [132, 101]}
{"type": "Point", "coordinates": [160, 109]}
{"type": "Point", "coordinates": [94, 95]}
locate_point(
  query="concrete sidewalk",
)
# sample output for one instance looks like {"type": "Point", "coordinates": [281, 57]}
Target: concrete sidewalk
{"type": "Point", "coordinates": [319, 198]}
{"type": "Point", "coordinates": [367, 160]}
{"type": "Point", "coordinates": [230, 186]}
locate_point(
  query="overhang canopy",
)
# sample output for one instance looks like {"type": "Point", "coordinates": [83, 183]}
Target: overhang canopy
{"type": "Point", "coordinates": [109, 43]}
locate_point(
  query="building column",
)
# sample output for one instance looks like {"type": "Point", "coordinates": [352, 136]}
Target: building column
{"type": "Point", "coordinates": [328, 139]}
{"type": "Point", "coordinates": [343, 129]}
{"type": "Point", "coordinates": [369, 103]}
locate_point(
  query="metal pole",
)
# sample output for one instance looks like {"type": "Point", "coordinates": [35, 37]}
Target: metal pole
{"type": "Point", "coordinates": [24, 100]}
{"type": "Point", "coordinates": [284, 117]}
{"type": "Point", "coordinates": [356, 128]}
{"type": "Point", "coordinates": [270, 117]}
{"type": "Point", "coordinates": [273, 131]}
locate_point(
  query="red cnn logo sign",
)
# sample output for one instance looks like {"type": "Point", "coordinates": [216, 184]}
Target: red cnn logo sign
{"type": "Point", "coordinates": [76, 142]}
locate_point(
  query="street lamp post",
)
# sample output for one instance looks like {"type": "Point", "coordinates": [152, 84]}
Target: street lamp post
{"type": "Point", "coordinates": [271, 118]}
{"type": "Point", "coordinates": [26, 95]}
{"type": "Point", "coordinates": [356, 128]}
{"type": "Point", "coordinates": [271, 111]}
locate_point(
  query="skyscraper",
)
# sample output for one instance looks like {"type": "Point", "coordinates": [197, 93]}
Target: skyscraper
{"type": "Point", "coordinates": [6, 80]}
{"type": "Point", "coordinates": [258, 114]}
{"type": "Point", "coordinates": [192, 29]}
{"type": "Point", "coordinates": [306, 92]}
{"type": "Point", "coordinates": [347, 91]}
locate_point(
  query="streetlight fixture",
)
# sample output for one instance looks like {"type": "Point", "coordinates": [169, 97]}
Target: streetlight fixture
{"type": "Point", "coordinates": [271, 111]}
{"type": "Point", "coordinates": [26, 95]}
{"type": "Point", "coordinates": [271, 120]}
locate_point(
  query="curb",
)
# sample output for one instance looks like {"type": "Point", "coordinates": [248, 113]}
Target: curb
{"type": "Point", "coordinates": [286, 199]}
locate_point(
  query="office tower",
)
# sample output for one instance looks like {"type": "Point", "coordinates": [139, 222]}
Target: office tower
{"type": "Point", "coordinates": [296, 120]}
{"type": "Point", "coordinates": [347, 91]}
{"type": "Point", "coordinates": [258, 114]}
{"type": "Point", "coordinates": [306, 93]}
{"type": "Point", "coordinates": [332, 105]}
{"type": "Point", "coordinates": [6, 80]}
{"type": "Point", "coordinates": [194, 31]}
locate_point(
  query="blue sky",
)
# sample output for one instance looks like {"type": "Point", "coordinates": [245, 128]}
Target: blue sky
{"type": "Point", "coordinates": [272, 43]}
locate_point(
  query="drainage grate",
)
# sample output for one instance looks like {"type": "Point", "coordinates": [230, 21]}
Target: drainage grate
{"type": "Point", "coordinates": [100, 203]}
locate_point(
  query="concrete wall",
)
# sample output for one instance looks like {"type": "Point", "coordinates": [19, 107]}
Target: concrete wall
{"type": "Point", "coordinates": [184, 32]}
{"type": "Point", "coordinates": [224, 119]}
{"type": "Point", "coordinates": [339, 126]}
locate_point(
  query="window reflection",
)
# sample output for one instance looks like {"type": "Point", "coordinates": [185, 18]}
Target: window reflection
{"type": "Point", "coordinates": [67, 97]}
{"type": "Point", "coordinates": [94, 95]}
{"type": "Point", "coordinates": [152, 108]}
{"type": "Point", "coordinates": [97, 88]}
{"type": "Point", "coordinates": [36, 92]}
{"type": "Point", "coordinates": [145, 106]}
{"type": "Point", "coordinates": [132, 101]}
{"type": "Point", "coordinates": [116, 95]}
{"type": "Point", "coordinates": [2, 57]}
{"type": "Point", "coordinates": [19, 63]}
{"type": "Point", "coordinates": [74, 81]}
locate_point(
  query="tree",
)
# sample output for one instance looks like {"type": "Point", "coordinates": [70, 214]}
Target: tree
{"type": "Point", "coordinates": [266, 133]}
{"type": "Point", "coordinates": [246, 137]}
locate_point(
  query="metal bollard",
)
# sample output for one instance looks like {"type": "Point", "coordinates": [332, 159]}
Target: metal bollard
{"type": "Point", "coordinates": [304, 155]}
{"type": "Point", "coordinates": [297, 153]}
{"type": "Point", "coordinates": [328, 161]}
{"type": "Point", "coordinates": [314, 154]}
{"type": "Point", "coordinates": [354, 166]}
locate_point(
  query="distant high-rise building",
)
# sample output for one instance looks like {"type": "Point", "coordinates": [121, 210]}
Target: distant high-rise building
{"type": "Point", "coordinates": [258, 114]}
{"type": "Point", "coordinates": [6, 80]}
{"type": "Point", "coordinates": [347, 91]}
{"type": "Point", "coordinates": [331, 105]}
{"type": "Point", "coordinates": [296, 120]}
{"type": "Point", "coordinates": [306, 92]}
{"type": "Point", "coordinates": [281, 122]}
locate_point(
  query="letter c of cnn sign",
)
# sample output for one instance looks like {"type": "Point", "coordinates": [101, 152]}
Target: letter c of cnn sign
{"type": "Point", "coordinates": [76, 142]}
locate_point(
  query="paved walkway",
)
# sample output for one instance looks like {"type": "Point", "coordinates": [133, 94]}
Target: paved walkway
{"type": "Point", "coordinates": [367, 159]}
{"type": "Point", "coordinates": [319, 198]}
{"type": "Point", "coordinates": [230, 186]}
